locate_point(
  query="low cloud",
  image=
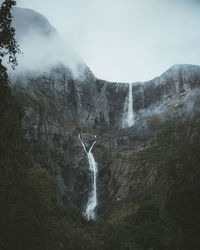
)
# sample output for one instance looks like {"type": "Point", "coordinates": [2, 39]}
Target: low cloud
{"type": "Point", "coordinates": [127, 40]}
{"type": "Point", "coordinates": [42, 47]}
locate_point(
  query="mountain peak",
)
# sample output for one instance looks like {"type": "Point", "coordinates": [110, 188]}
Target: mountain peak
{"type": "Point", "coordinates": [183, 67]}
{"type": "Point", "coordinates": [27, 21]}
{"type": "Point", "coordinates": [41, 44]}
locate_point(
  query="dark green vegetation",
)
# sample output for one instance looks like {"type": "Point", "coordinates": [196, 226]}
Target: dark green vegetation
{"type": "Point", "coordinates": [30, 217]}
{"type": "Point", "coordinates": [8, 45]}
{"type": "Point", "coordinates": [166, 214]}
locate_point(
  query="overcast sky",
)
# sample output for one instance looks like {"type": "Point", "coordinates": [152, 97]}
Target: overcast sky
{"type": "Point", "coordinates": [127, 40]}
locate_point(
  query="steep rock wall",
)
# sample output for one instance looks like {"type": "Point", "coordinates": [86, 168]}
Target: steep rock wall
{"type": "Point", "coordinates": [58, 107]}
{"type": "Point", "coordinates": [60, 104]}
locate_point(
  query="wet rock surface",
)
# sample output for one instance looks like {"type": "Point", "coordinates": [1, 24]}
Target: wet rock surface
{"type": "Point", "coordinates": [59, 107]}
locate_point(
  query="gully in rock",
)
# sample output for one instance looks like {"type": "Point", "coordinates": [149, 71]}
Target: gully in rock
{"type": "Point", "coordinates": [128, 118]}
{"type": "Point", "coordinates": [89, 212]}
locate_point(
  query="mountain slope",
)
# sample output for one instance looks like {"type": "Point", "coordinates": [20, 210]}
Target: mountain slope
{"type": "Point", "coordinates": [58, 108]}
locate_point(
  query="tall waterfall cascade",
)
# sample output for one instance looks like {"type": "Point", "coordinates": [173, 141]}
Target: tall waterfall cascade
{"type": "Point", "coordinates": [128, 117]}
{"type": "Point", "coordinates": [89, 212]}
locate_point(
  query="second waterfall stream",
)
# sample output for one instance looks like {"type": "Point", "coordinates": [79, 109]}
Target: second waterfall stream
{"type": "Point", "coordinates": [89, 212]}
{"type": "Point", "coordinates": [128, 118]}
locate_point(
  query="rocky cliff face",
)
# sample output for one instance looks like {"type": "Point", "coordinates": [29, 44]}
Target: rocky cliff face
{"type": "Point", "coordinates": [104, 102]}
{"type": "Point", "coordinates": [58, 106]}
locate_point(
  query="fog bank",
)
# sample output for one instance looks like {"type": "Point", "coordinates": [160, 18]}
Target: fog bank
{"type": "Point", "coordinates": [127, 40]}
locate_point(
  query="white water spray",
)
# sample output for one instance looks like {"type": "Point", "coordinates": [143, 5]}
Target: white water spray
{"type": "Point", "coordinates": [92, 201]}
{"type": "Point", "coordinates": [128, 118]}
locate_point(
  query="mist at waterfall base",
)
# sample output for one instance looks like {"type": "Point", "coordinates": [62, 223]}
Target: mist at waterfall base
{"type": "Point", "coordinates": [132, 40]}
{"type": "Point", "coordinates": [89, 212]}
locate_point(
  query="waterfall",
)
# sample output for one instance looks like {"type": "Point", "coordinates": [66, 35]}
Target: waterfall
{"type": "Point", "coordinates": [89, 212]}
{"type": "Point", "coordinates": [128, 118]}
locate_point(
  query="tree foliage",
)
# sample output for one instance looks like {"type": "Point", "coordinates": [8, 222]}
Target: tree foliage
{"type": "Point", "coordinates": [8, 44]}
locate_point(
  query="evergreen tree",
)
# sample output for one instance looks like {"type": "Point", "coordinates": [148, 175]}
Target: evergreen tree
{"type": "Point", "coordinates": [10, 113]}
{"type": "Point", "coordinates": [8, 44]}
